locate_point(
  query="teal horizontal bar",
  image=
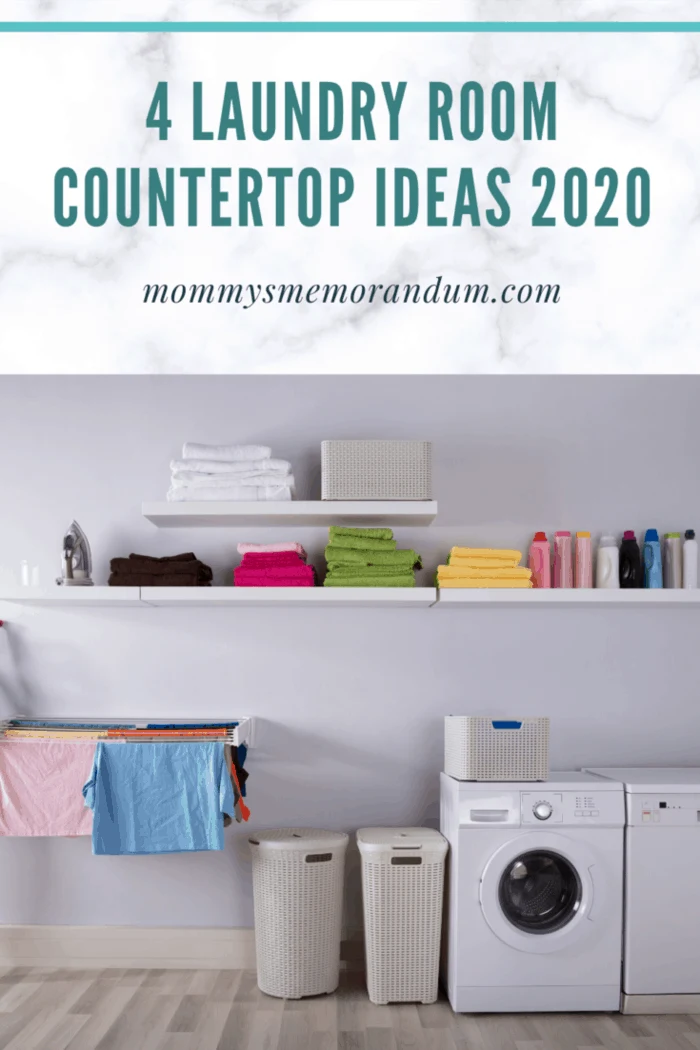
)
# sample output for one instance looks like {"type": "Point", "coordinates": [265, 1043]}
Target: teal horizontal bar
{"type": "Point", "coordinates": [349, 27]}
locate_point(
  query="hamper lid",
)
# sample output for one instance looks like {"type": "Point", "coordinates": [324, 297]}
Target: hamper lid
{"type": "Point", "coordinates": [302, 839]}
{"type": "Point", "coordinates": [371, 840]}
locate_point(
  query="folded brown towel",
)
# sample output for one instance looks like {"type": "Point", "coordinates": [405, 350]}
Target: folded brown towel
{"type": "Point", "coordinates": [177, 570]}
{"type": "Point", "coordinates": [142, 579]}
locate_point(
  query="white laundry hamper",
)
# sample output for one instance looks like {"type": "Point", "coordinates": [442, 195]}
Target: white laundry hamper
{"type": "Point", "coordinates": [298, 901]}
{"type": "Point", "coordinates": [403, 875]}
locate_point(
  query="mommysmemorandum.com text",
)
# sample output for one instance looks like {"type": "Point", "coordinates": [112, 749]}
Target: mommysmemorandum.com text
{"type": "Point", "coordinates": [438, 291]}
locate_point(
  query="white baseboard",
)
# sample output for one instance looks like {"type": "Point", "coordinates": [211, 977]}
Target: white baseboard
{"type": "Point", "coordinates": [97, 947]}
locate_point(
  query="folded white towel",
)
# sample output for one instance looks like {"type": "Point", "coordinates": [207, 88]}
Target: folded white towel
{"type": "Point", "coordinates": [244, 466]}
{"type": "Point", "coordinates": [233, 493]}
{"type": "Point", "coordinates": [190, 479]}
{"type": "Point", "coordinates": [225, 453]}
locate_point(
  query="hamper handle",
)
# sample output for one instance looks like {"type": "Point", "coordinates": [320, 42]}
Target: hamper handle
{"type": "Point", "coordinates": [506, 725]}
{"type": "Point", "coordinates": [406, 860]}
{"type": "Point", "coordinates": [318, 858]}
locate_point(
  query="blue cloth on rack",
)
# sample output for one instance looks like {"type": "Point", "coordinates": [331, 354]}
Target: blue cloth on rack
{"type": "Point", "coordinates": [158, 798]}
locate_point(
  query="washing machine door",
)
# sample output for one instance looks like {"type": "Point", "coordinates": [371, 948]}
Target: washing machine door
{"type": "Point", "coordinates": [537, 892]}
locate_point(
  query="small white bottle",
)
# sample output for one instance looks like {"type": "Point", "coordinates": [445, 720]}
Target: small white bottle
{"type": "Point", "coordinates": [690, 561]}
{"type": "Point", "coordinates": [607, 570]}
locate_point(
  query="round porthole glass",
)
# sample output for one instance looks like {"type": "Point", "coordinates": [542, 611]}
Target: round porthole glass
{"type": "Point", "coordinates": [539, 891]}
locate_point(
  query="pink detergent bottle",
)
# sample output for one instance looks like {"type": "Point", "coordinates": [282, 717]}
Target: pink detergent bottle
{"type": "Point", "coordinates": [584, 560]}
{"type": "Point", "coordinates": [539, 561]}
{"type": "Point", "coordinates": [563, 567]}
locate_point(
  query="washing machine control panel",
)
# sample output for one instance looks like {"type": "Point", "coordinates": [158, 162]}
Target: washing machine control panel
{"type": "Point", "coordinates": [543, 807]}
{"type": "Point", "coordinates": [666, 810]}
{"type": "Point", "coordinates": [574, 809]}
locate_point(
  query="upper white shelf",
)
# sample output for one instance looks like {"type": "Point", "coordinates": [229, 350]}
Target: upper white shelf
{"type": "Point", "coordinates": [302, 512]}
{"type": "Point", "coordinates": [349, 597]}
{"type": "Point", "coordinates": [224, 597]}
{"type": "Point", "coordinates": [72, 596]}
{"type": "Point", "coordinates": [245, 597]}
{"type": "Point", "coordinates": [454, 598]}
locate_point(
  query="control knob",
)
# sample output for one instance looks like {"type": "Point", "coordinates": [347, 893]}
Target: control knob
{"type": "Point", "coordinates": [542, 810]}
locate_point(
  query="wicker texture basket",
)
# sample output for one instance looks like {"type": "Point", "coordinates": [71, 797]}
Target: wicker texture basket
{"type": "Point", "coordinates": [381, 470]}
{"type": "Point", "coordinates": [478, 748]}
{"type": "Point", "coordinates": [403, 872]}
{"type": "Point", "coordinates": [298, 898]}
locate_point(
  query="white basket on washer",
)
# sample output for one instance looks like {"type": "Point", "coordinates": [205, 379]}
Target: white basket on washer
{"type": "Point", "coordinates": [403, 874]}
{"type": "Point", "coordinates": [298, 902]}
{"type": "Point", "coordinates": [381, 470]}
{"type": "Point", "coordinates": [478, 748]}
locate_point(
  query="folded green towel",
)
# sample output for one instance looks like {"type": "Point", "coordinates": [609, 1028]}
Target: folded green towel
{"type": "Point", "coordinates": [345, 556]}
{"type": "Point", "coordinates": [367, 570]}
{"type": "Point", "coordinates": [405, 580]}
{"type": "Point", "coordinates": [363, 543]}
{"type": "Point", "coordinates": [367, 534]}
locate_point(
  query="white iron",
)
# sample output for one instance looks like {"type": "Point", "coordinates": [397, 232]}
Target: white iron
{"type": "Point", "coordinates": [77, 559]}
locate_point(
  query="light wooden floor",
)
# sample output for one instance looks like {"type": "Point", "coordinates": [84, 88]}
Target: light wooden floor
{"type": "Point", "coordinates": [224, 1010]}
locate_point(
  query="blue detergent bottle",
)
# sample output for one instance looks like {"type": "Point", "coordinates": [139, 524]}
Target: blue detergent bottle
{"type": "Point", "coordinates": [653, 573]}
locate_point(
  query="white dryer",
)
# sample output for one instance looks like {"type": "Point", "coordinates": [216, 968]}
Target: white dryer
{"type": "Point", "coordinates": [534, 894]}
{"type": "Point", "coordinates": [661, 972]}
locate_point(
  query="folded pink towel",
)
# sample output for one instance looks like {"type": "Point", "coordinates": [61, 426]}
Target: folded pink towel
{"type": "Point", "coordinates": [275, 581]}
{"type": "Point", "coordinates": [298, 575]}
{"type": "Point", "coordinates": [265, 561]}
{"type": "Point", "coordinates": [271, 548]}
{"type": "Point", "coordinates": [41, 787]}
{"type": "Point", "coordinates": [291, 571]}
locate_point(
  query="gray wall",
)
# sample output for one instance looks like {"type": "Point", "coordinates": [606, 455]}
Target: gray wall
{"type": "Point", "coordinates": [351, 700]}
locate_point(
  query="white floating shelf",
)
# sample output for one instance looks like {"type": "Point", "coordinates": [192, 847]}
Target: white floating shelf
{"type": "Point", "coordinates": [246, 597]}
{"type": "Point", "coordinates": [303, 512]}
{"type": "Point", "coordinates": [73, 596]}
{"type": "Point", "coordinates": [453, 598]}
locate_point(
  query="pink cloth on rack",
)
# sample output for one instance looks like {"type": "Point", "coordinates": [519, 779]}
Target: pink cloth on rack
{"type": "Point", "coordinates": [41, 787]}
{"type": "Point", "coordinates": [271, 548]}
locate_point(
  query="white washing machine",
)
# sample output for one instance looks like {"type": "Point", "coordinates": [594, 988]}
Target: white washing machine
{"type": "Point", "coordinates": [534, 894]}
{"type": "Point", "coordinates": [661, 972]}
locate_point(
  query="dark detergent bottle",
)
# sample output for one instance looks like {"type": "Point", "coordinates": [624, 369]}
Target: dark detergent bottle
{"type": "Point", "coordinates": [631, 571]}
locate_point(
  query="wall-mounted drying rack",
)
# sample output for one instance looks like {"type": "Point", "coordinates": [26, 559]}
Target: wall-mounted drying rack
{"type": "Point", "coordinates": [134, 730]}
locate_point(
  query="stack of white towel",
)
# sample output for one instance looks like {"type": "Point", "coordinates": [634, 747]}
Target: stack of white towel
{"type": "Point", "coordinates": [229, 472]}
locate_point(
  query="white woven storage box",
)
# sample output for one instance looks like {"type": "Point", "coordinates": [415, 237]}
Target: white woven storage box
{"type": "Point", "coordinates": [403, 874]}
{"type": "Point", "coordinates": [298, 901]}
{"type": "Point", "coordinates": [479, 748]}
{"type": "Point", "coordinates": [379, 470]}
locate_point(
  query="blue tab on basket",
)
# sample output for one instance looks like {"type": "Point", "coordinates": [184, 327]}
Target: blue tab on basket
{"type": "Point", "coordinates": [506, 725]}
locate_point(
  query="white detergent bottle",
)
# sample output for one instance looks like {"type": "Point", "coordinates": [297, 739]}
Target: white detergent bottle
{"type": "Point", "coordinates": [690, 561]}
{"type": "Point", "coordinates": [607, 569]}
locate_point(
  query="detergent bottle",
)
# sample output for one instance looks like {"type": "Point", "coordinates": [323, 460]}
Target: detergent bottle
{"type": "Point", "coordinates": [539, 561]}
{"type": "Point", "coordinates": [653, 572]}
{"type": "Point", "coordinates": [607, 571]}
{"type": "Point", "coordinates": [690, 561]}
{"type": "Point", "coordinates": [631, 574]}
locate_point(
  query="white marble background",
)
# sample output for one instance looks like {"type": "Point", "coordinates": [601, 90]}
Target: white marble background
{"type": "Point", "coordinates": [70, 299]}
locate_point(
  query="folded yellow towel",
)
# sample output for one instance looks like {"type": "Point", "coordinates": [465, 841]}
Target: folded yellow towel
{"type": "Point", "coordinates": [482, 563]}
{"type": "Point", "coordinates": [463, 581]}
{"type": "Point", "coordinates": [506, 557]}
{"type": "Point", "coordinates": [459, 572]}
